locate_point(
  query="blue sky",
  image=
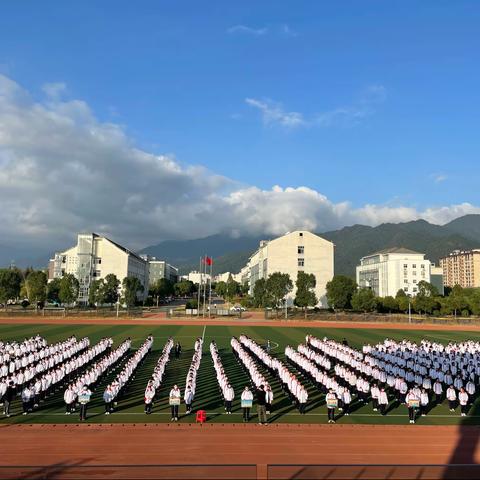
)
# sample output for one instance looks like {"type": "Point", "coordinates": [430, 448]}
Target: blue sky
{"type": "Point", "coordinates": [368, 102]}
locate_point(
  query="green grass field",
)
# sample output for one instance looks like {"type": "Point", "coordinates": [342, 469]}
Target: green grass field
{"type": "Point", "coordinates": [130, 407]}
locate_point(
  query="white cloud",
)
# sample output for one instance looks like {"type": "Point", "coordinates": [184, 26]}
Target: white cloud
{"type": "Point", "coordinates": [244, 29]}
{"type": "Point", "coordinates": [54, 90]}
{"type": "Point", "coordinates": [287, 31]}
{"type": "Point", "coordinates": [439, 177]}
{"type": "Point", "coordinates": [273, 113]}
{"type": "Point", "coordinates": [63, 171]}
{"type": "Point", "coordinates": [349, 115]}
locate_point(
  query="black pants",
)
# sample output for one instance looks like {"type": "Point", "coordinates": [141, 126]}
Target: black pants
{"type": "Point", "coordinates": [108, 406]}
{"type": "Point", "coordinates": [6, 406]}
{"type": "Point", "coordinates": [463, 408]}
{"type": "Point", "coordinates": [228, 406]}
{"type": "Point", "coordinates": [452, 404]}
{"type": "Point", "coordinates": [188, 407]}
{"type": "Point", "coordinates": [375, 403]}
{"type": "Point", "coordinates": [383, 408]}
{"type": "Point", "coordinates": [25, 406]}
{"type": "Point", "coordinates": [68, 407]}
{"type": "Point", "coordinates": [346, 408]}
{"type": "Point", "coordinates": [301, 407]}
{"type": "Point", "coordinates": [148, 408]}
{"type": "Point", "coordinates": [83, 411]}
{"type": "Point", "coordinates": [174, 409]}
{"type": "Point", "coordinates": [246, 413]}
{"type": "Point", "coordinates": [411, 413]}
{"type": "Point", "coordinates": [331, 413]}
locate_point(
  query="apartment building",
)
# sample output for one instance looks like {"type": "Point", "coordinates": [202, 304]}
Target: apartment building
{"type": "Point", "coordinates": [461, 267]}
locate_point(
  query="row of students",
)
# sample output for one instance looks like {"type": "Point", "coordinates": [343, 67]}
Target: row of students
{"type": "Point", "coordinates": [125, 376]}
{"type": "Point", "coordinates": [157, 376]}
{"type": "Point", "coordinates": [54, 352]}
{"type": "Point", "coordinates": [225, 388]}
{"type": "Point", "coordinates": [14, 349]}
{"type": "Point", "coordinates": [190, 382]}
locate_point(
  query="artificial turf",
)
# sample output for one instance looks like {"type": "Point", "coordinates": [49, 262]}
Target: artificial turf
{"type": "Point", "coordinates": [130, 408]}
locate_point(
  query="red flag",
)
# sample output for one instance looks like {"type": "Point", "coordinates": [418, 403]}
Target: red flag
{"type": "Point", "coordinates": [208, 261]}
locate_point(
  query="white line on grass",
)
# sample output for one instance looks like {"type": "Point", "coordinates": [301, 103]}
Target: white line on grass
{"type": "Point", "coordinates": [240, 413]}
{"type": "Point", "coordinates": [203, 334]}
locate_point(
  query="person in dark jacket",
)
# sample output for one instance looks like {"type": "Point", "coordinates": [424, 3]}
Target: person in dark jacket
{"type": "Point", "coordinates": [8, 399]}
{"type": "Point", "coordinates": [261, 406]}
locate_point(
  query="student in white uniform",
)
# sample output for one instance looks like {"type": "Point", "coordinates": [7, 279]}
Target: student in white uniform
{"type": "Point", "coordinates": [174, 400]}
{"type": "Point", "coordinates": [424, 400]}
{"type": "Point", "coordinates": [247, 396]}
{"type": "Point", "coordinates": [463, 400]}
{"type": "Point", "coordinates": [331, 401]}
{"type": "Point", "coordinates": [382, 401]}
{"type": "Point", "coordinates": [149, 396]}
{"type": "Point", "coordinates": [452, 398]}
{"type": "Point", "coordinates": [412, 400]}
{"type": "Point", "coordinates": [229, 395]}
{"type": "Point", "coordinates": [69, 398]}
{"type": "Point", "coordinates": [188, 399]}
{"type": "Point", "coordinates": [268, 398]}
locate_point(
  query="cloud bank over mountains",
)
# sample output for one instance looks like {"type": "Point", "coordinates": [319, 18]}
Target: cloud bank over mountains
{"type": "Point", "coordinates": [63, 171]}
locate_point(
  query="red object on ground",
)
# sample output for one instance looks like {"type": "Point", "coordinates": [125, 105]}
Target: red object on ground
{"type": "Point", "coordinates": [201, 416]}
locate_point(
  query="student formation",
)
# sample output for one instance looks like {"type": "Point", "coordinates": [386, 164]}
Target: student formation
{"type": "Point", "coordinates": [388, 374]}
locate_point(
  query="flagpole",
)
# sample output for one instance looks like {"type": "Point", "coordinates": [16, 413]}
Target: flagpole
{"type": "Point", "coordinates": [210, 291]}
{"type": "Point", "coordinates": [205, 287]}
{"type": "Point", "coordinates": [199, 287]}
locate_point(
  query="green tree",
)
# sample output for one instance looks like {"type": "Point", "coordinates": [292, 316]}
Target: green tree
{"type": "Point", "coordinates": [183, 288]}
{"type": "Point", "coordinates": [474, 301]}
{"type": "Point", "coordinates": [456, 301]}
{"type": "Point", "coordinates": [364, 300]}
{"type": "Point", "coordinates": [162, 288]}
{"type": "Point", "coordinates": [10, 283]}
{"type": "Point", "coordinates": [68, 292]}
{"type": "Point", "coordinates": [233, 289]}
{"type": "Point", "coordinates": [426, 289]}
{"type": "Point", "coordinates": [278, 285]}
{"type": "Point", "coordinates": [96, 292]}
{"type": "Point", "coordinates": [305, 296]}
{"type": "Point", "coordinates": [36, 285]}
{"type": "Point", "coordinates": [403, 301]}
{"type": "Point", "coordinates": [221, 289]}
{"type": "Point", "coordinates": [261, 297]}
{"type": "Point", "coordinates": [340, 291]}
{"type": "Point", "coordinates": [131, 288]}
{"type": "Point", "coordinates": [111, 285]}
{"type": "Point", "coordinates": [53, 290]}
{"type": "Point", "coordinates": [388, 304]}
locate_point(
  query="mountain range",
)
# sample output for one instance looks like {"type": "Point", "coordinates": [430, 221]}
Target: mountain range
{"type": "Point", "coordinates": [351, 243]}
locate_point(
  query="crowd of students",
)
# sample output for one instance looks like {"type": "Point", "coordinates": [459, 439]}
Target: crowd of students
{"type": "Point", "coordinates": [387, 374]}
{"type": "Point", "coordinates": [121, 382]}
{"type": "Point", "coordinates": [91, 370]}
{"type": "Point", "coordinates": [50, 367]}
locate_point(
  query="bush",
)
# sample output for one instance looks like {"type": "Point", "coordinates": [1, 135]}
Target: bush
{"type": "Point", "coordinates": [191, 304]}
{"type": "Point", "coordinates": [465, 313]}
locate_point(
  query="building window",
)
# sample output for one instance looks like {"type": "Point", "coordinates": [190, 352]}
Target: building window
{"type": "Point", "coordinates": [414, 289]}
{"type": "Point", "coordinates": [301, 250]}
{"type": "Point", "coordinates": [414, 273]}
{"type": "Point", "coordinates": [414, 266]}
{"type": "Point", "coordinates": [300, 234]}
{"type": "Point", "coordinates": [405, 281]}
{"type": "Point", "coordinates": [301, 262]}
{"type": "Point", "coordinates": [414, 281]}
{"type": "Point", "coordinates": [405, 265]}
{"type": "Point", "coordinates": [98, 261]}
{"type": "Point", "coordinates": [405, 289]}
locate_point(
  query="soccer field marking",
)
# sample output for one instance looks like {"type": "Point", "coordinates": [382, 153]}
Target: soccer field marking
{"type": "Point", "coordinates": [240, 414]}
{"type": "Point", "coordinates": [203, 334]}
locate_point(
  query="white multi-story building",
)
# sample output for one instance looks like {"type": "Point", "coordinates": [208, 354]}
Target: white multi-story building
{"type": "Point", "coordinates": [197, 277]}
{"type": "Point", "coordinates": [94, 257]}
{"type": "Point", "coordinates": [393, 269]}
{"type": "Point", "coordinates": [293, 252]}
{"type": "Point", "coordinates": [158, 269]}
{"type": "Point", "coordinates": [223, 277]}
